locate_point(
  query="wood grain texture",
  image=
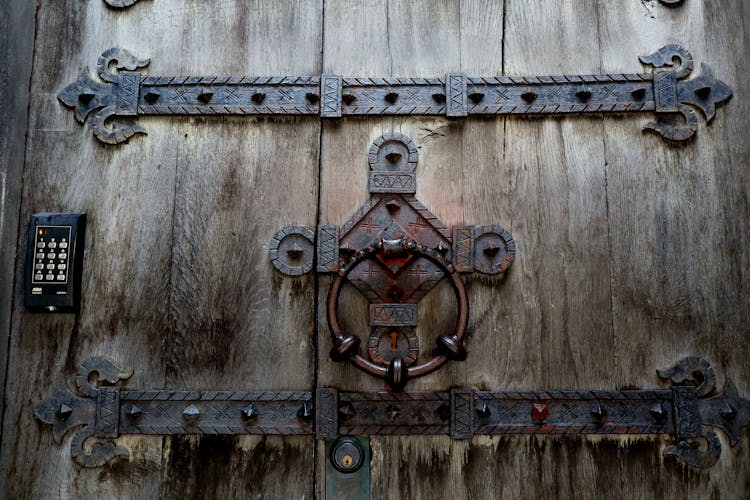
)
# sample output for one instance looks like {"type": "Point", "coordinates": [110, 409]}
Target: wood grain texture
{"type": "Point", "coordinates": [678, 226]}
{"type": "Point", "coordinates": [124, 314]}
{"type": "Point", "coordinates": [17, 24]}
{"type": "Point", "coordinates": [239, 323]}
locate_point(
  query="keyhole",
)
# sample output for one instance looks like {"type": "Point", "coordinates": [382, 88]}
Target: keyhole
{"type": "Point", "coordinates": [394, 341]}
{"type": "Point", "coordinates": [347, 460]}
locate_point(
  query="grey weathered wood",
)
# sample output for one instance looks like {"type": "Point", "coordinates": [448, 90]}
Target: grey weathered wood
{"type": "Point", "coordinates": [16, 49]}
{"type": "Point", "coordinates": [124, 313]}
{"type": "Point", "coordinates": [238, 322]}
{"type": "Point", "coordinates": [679, 232]}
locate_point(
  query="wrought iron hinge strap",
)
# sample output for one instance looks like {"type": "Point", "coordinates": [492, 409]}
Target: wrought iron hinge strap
{"type": "Point", "coordinates": [128, 93]}
{"type": "Point", "coordinates": [685, 412]}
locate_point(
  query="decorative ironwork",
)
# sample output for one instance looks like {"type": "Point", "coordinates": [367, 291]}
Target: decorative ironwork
{"type": "Point", "coordinates": [394, 251]}
{"type": "Point", "coordinates": [690, 413]}
{"type": "Point", "coordinates": [127, 93]}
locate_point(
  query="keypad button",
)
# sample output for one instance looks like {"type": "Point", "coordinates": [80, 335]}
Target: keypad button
{"type": "Point", "coordinates": [50, 255]}
{"type": "Point", "coordinates": [41, 244]}
{"type": "Point", "coordinates": [38, 277]}
{"type": "Point", "coordinates": [50, 277]}
{"type": "Point", "coordinates": [61, 277]}
{"type": "Point", "coordinates": [63, 244]}
{"type": "Point", "coordinates": [52, 244]}
{"type": "Point", "coordinates": [40, 255]}
{"type": "Point", "coordinates": [61, 267]}
{"type": "Point", "coordinates": [50, 266]}
{"type": "Point", "coordinates": [39, 265]}
{"type": "Point", "coordinates": [63, 256]}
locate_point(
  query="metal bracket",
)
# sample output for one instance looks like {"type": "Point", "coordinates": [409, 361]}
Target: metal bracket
{"type": "Point", "coordinates": [687, 412]}
{"type": "Point", "coordinates": [663, 91]}
{"type": "Point", "coordinates": [394, 251]}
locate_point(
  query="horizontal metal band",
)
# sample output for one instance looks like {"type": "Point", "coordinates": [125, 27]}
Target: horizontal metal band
{"type": "Point", "coordinates": [215, 412]}
{"type": "Point", "coordinates": [129, 93]}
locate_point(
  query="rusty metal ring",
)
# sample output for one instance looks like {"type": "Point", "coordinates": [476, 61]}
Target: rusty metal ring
{"type": "Point", "coordinates": [346, 346]}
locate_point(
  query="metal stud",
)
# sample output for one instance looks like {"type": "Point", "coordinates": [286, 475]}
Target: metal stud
{"type": "Point", "coordinates": [657, 411]}
{"type": "Point", "coordinates": [249, 412]}
{"type": "Point", "coordinates": [86, 98]}
{"type": "Point", "coordinates": [295, 251]}
{"type": "Point", "coordinates": [346, 412]}
{"type": "Point", "coordinates": [483, 411]}
{"type": "Point", "coordinates": [491, 250]}
{"type": "Point", "coordinates": [476, 97]}
{"type": "Point", "coordinates": [638, 94]}
{"type": "Point", "coordinates": [391, 97]}
{"type": "Point", "coordinates": [529, 97]}
{"type": "Point", "coordinates": [305, 413]}
{"type": "Point", "coordinates": [348, 99]}
{"type": "Point", "coordinates": [438, 98]}
{"type": "Point", "coordinates": [152, 97]}
{"type": "Point", "coordinates": [258, 97]}
{"type": "Point", "coordinates": [539, 412]}
{"type": "Point", "coordinates": [64, 411]}
{"type": "Point", "coordinates": [598, 412]}
{"type": "Point", "coordinates": [584, 95]}
{"type": "Point", "coordinates": [191, 412]}
{"type": "Point", "coordinates": [703, 92]}
{"type": "Point", "coordinates": [205, 97]}
{"type": "Point", "coordinates": [727, 411]}
{"type": "Point", "coordinates": [312, 98]}
{"type": "Point", "coordinates": [134, 411]}
{"type": "Point", "coordinates": [393, 206]}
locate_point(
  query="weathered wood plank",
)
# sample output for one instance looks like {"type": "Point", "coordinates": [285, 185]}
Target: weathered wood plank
{"type": "Point", "coordinates": [17, 24]}
{"type": "Point", "coordinates": [678, 227]}
{"type": "Point", "coordinates": [128, 195]}
{"type": "Point", "coordinates": [238, 322]}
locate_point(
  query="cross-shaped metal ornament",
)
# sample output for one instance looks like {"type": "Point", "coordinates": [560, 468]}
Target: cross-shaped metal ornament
{"type": "Point", "coordinates": [394, 251]}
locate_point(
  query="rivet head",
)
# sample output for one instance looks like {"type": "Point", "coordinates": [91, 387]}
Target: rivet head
{"type": "Point", "coordinates": [347, 412]}
{"type": "Point", "coordinates": [439, 98]}
{"type": "Point", "coordinates": [638, 94]}
{"type": "Point", "coordinates": [703, 92]}
{"type": "Point", "coordinates": [529, 97]}
{"type": "Point", "coordinates": [64, 411]}
{"type": "Point", "coordinates": [539, 412]}
{"type": "Point", "coordinates": [657, 411]}
{"type": "Point", "coordinates": [598, 412]}
{"type": "Point", "coordinates": [584, 95]}
{"type": "Point", "coordinates": [393, 157]}
{"type": "Point", "coordinates": [191, 412]}
{"type": "Point", "coordinates": [152, 97]}
{"type": "Point", "coordinates": [312, 98]}
{"type": "Point", "coordinates": [249, 412]}
{"type": "Point", "coordinates": [86, 97]}
{"type": "Point", "coordinates": [134, 411]}
{"type": "Point", "coordinates": [258, 97]}
{"type": "Point", "coordinates": [443, 412]}
{"type": "Point", "coordinates": [393, 206]}
{"type": "Point", "coordinates": [476, 97]}
{"type": "Point", "coordinates": [305, 413]}
{"type": "Point", "coordinates": [295, 251]}
{"type": "Point", "coordinates": [391, 97]}
{"type": "Point", "coordinates": [490, 250]}
{"type": "Point", "coordinates": [205, 97]}
{"type": "Point", "coordinates": [483, 411]}
{"type": "Point", "coordinates": [727, 411]}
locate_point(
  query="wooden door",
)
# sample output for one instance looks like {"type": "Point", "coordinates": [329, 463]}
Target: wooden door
{"type": "Point", "coordinates": [629, 250]}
